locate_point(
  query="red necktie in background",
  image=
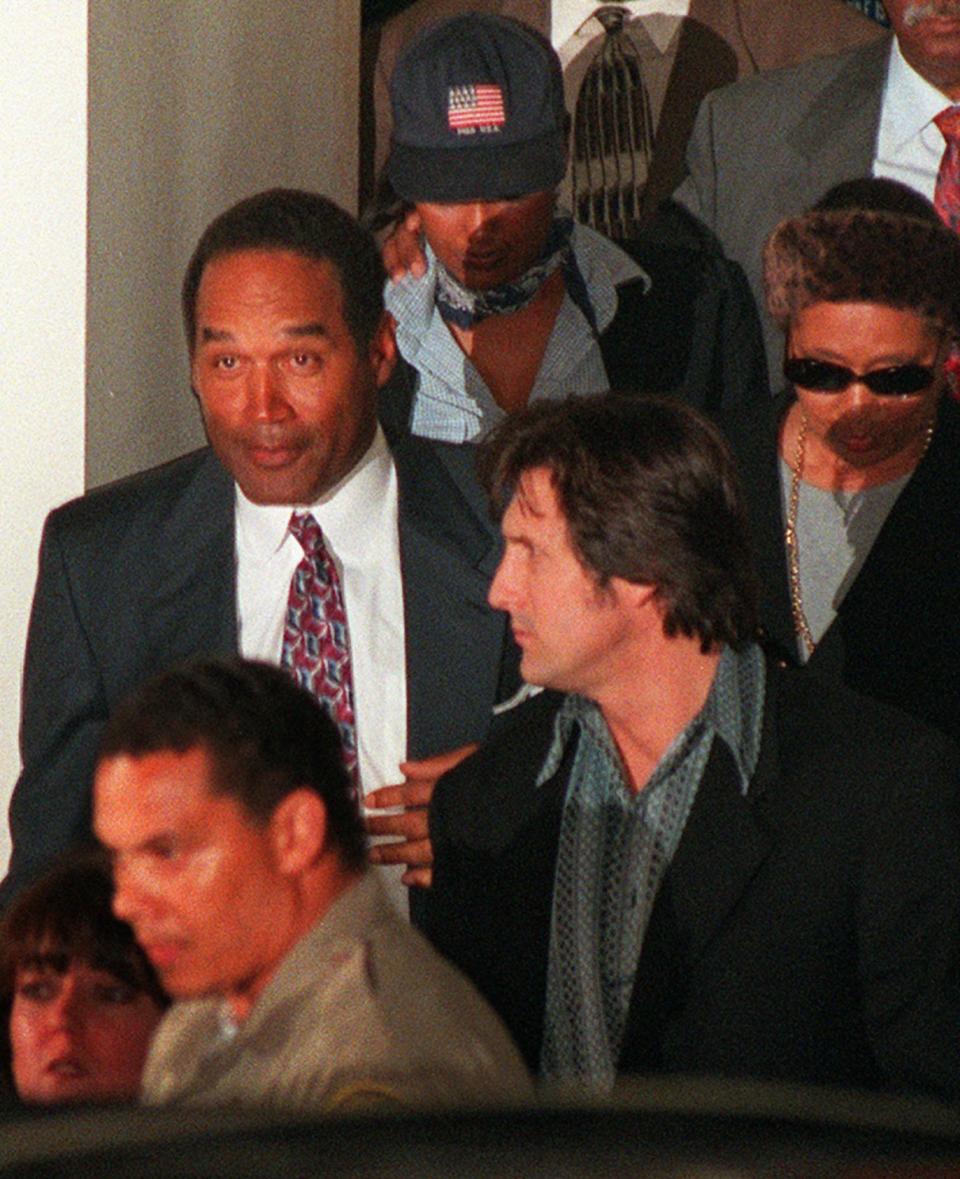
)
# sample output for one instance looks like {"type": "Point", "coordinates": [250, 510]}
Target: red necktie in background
{"type": "Point", "coordinates": [946, 196]}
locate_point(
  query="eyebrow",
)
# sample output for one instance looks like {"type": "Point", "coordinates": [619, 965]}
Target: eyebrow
{"type": "Point", "coordinates": [296, 331]}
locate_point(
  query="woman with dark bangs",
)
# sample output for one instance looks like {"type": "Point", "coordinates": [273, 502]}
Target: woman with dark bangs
{"type": "Point", "coordinates": [80, 1000]}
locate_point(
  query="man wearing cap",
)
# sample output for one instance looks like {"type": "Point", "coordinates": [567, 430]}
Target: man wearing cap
{"type": "Point", "coordinates": [518, 302]}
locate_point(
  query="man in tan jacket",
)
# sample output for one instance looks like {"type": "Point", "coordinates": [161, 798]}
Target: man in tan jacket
{"type": "Point", "coordinates": [240, 861]}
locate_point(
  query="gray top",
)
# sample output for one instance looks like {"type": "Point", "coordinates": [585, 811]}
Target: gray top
{"type": "Point", "coordinates": [835, 532]}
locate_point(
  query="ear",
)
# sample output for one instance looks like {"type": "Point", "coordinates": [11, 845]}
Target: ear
{"type": "Point", "coordinates": [298, 831]}
{"type": "Point", "coordinates": [635, 595]}
{"type": "Point", "coordinates": [383, 349]}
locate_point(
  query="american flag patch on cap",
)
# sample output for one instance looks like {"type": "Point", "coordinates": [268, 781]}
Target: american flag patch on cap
{"type": "Point", "coordinates": [470, 107]}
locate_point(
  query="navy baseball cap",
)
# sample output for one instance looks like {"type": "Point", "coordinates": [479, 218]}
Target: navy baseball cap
{"type": "Point", "coordinates": [478, 113]}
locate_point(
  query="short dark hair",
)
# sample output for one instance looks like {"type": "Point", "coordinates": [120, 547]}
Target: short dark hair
{"type": "Point", "coordinates": [881, 195]}
{"type": "Point", "coordinates": [265, 735]}
{"type": "Point", "coordinates": [67, 914]}
{"type": "Point", "coordinates": [304, 223]}
{"type": "Point", "coordinates": [650, 494]}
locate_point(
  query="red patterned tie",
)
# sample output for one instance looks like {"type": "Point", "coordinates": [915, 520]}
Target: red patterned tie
{"type": "Point", "coordinates": [946, 196]}
{"type": "Point", "coordinates": [315, 644]}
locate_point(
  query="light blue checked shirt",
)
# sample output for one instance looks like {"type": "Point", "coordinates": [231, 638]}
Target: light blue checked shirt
{"type": "Point", "coordinates": [451, 401]}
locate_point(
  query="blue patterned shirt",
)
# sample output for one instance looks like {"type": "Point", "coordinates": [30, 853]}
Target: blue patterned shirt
{"type": "Point", "coordinates": [615, 845]}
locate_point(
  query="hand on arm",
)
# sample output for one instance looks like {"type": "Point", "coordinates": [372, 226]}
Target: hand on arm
{"type": "Point", "coordinates": [411, 842]}
{"type": "Point", "coordinates": [403, 250]}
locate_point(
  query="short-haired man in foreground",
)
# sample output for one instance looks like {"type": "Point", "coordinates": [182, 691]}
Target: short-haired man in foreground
{"type": "Point", "coordinates": [240, 861]}
{"type": "Point", "coordinates": [693, 861]}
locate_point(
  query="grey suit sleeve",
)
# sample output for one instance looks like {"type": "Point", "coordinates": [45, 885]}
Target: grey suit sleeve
{"type": "Point", "coordinates": [698, 192]}
{"type": "Point", "coordinates": [909, 923]}
{"type": "Point", "coordinates": [63, 710]}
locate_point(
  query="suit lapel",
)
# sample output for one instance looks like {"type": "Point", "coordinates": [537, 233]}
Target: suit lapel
{"type": "Point", "coordinates": [193, 609]}
{"type": "Point", "coordinates": [722, 847]}
{"type": "Point", "coordinates": [703, 62]}
{"type": "Point", "coordinates": [454, 641]}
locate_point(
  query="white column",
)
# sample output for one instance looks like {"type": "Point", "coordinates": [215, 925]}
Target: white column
{"type": "Point", "coordinates": [43, 192]}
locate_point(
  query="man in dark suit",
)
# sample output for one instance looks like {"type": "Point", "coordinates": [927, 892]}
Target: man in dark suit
{"type": "Point", "coordinates": [770, 146]}
{"type": "Point", "coordinates": [289, 346]}
{"type": "Point", "coordinates": [692, 862]}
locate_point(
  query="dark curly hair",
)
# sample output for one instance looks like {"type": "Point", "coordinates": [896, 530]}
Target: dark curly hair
{"type": "Point", "coordinates": [866, 243]}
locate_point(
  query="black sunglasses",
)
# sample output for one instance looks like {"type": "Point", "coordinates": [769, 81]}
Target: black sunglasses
{"type": "Point", "coordinates": [823, 377]}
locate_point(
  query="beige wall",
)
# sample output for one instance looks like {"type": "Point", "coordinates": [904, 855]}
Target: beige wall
{"type": "Point", "coordinates": [42, 207]}
{"type": "Point", "coordinates": [192, 104]}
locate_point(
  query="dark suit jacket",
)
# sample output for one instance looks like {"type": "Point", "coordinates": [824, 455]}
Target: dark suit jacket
{"type": "Point", "coordinates": [770, 146]}
{"type": "Point", "coordinates": [807, 932]}
{"type": "Point", "coordinates": [896, 636]}
{"type": "Point", "coordinates": [136, 576]}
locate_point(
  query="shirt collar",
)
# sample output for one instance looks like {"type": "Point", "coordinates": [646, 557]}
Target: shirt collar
{"type": "Point", "coordinates": [912, 101]}
{"type": "Point", "coordinates": [603, 266]}
{"type": "Point", "coordinates": [342, 512]}
{"type": "Point", "coordinates": [733, 711]}
{"type": "Point", "coordinates": [568, 16]}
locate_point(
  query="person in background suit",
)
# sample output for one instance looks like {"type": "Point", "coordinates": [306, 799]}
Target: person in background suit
{"type": "Point", "coordinates": [239, 858]}
{"type": "Point", "coordinates": [681, 48]}
{"type": "Point", "coordinates": [288, 344]}
{"type": "Point", "coordinates": [682, 859]}
{"type": "Point", "coordinates": [767, 147]}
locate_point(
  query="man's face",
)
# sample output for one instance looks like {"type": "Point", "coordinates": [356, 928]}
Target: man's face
{"type": "Point", "coordinates": [288, 400]}
{"type": "Point", "coordinates": [571, 633]}
{"type": "Point", "coordinates": [487, 243]}
{"type": "Point", "coordinates": [929, 36]}
{"type": "Point", "coordinates": [195, 876]}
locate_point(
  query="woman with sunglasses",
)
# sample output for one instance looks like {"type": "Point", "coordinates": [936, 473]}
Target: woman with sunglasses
{"type": "Point", "coordinates": [860, 552]}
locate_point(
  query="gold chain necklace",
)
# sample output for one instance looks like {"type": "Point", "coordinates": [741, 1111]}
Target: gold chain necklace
{"type": "Point", "coordinates": [800, 624]}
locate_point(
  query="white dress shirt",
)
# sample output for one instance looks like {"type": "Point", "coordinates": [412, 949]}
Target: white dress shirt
{"type": "Point", "coordinates": [570, 20]}
{"type": "Point", "coordinates": [359, 521]}
{"type": "Point", "coordinates": [909, 143]}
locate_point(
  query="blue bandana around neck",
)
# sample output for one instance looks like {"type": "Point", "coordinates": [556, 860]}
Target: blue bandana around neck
{"type": "Point", "coordinates": [464, 308]}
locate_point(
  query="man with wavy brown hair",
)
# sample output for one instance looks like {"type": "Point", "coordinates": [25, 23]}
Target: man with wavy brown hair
{"type": "Point", "coordinates": [681, 858]}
